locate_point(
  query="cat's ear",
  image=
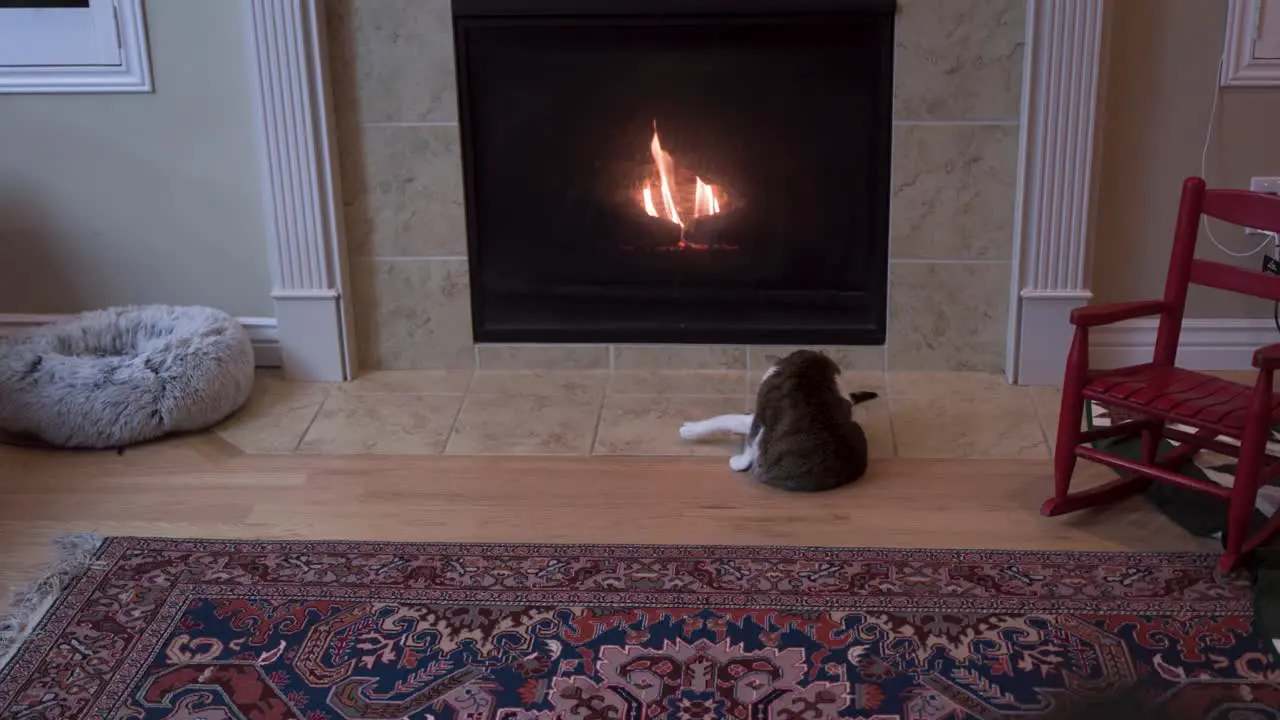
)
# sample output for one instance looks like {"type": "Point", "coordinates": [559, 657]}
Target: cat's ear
{"type": "Point", "coordinates": [772, 359]}
{"type": "Point", "coordinates": [832, 365]}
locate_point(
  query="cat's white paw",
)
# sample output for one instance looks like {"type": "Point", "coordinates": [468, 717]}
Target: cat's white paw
{"type": "Point", "coordinates": [690, 431]}
{"type": "Point", "coordinates": [740, 463]}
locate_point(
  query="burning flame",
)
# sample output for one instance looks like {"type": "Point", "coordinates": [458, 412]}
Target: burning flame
{"type": "Point", "coordinates": [706, 197]}
{"type": "Point", "coordinates": [648, 202]}
{"type": "Point", "coordinates": [704, 200]}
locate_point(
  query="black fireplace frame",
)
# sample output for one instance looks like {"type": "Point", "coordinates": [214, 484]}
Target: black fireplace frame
{"type": "Point", "coordinates": [470, 13]}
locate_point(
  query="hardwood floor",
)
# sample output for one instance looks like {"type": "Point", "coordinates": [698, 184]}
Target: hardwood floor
{"type": "Point", "coordinates": [202, 486]}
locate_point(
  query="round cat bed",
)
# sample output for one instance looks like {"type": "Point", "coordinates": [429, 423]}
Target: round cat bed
{"type": "Point", "coordinates": [115, 377]}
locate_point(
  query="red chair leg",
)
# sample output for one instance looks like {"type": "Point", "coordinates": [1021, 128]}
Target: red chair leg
{"type": "Point", "coordinates": [1069, 416]}
{"type": "Point", "coordinates": [1064, 453]}
{"type": "Point", "coordinates": [1264, 536]}
{"type": "Point", "coordinates": [1244, 493]}
{"type": "Point", "coordinates": [1152, 435]}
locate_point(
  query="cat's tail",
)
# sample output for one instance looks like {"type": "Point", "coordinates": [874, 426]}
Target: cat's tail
{"type": "Point", "coordinates": [858, 398]}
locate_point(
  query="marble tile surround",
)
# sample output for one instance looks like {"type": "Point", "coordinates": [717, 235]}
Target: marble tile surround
{"type": "Point", "coordinates": [958, 66]}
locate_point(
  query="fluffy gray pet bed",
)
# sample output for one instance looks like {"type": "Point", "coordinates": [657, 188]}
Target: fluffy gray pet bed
{"type": "Point", "coordinates": [119, 376]}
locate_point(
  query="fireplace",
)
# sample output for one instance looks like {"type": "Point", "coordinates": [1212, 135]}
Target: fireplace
{"type": "Point", "coordinates": [709, 171]}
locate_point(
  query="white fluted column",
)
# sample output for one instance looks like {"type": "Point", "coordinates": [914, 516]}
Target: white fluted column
{"type": "Point", "coordinates": [301, 187]}
{"type": "Point", "coordinates": [1055, 183]}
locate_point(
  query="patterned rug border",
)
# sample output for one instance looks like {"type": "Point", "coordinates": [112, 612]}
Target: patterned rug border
{"type": "Point", "coordinates": [877, 600]}
{"type": "Point", "coordinates": [113, 548]}
{"type": "Point", "coordinates": [31, 603]}
{"type": "Point", "coordinates": [990, 582]}
{"type": "Point", "coordinates": [639, 550]}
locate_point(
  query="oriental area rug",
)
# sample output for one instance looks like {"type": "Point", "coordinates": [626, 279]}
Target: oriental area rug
{"type": "Point", "coordinates": [219, 630]}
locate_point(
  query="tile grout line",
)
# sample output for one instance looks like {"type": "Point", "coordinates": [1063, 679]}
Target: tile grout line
{"type": "Point", "coordinates": [1044, 431]}
{"type": "Point", "coordinates": [675, 395]}
{"type": "Point", "coordinates": [319, 408]}
{"type": "Point", "coordinates": [893, 431]}
{"type": "Point", "coordinates": [595, 432]}
{"type": "Point", "coordinates": [461, 404]}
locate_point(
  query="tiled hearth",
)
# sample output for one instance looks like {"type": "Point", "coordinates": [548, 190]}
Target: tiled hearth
{"type": "Point", "coordinates": [958, 67]}
{"type": "Point", "coordinates": [624, 412]}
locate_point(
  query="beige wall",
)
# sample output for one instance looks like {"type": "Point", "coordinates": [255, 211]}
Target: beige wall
{"type": "Point", "coordinates": [1160, 81]}
{"type": "Point", "coordinates": [111, 199]}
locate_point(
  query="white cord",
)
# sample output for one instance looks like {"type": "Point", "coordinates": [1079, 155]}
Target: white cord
{"type": "Point", "coordinates": [1204, 163]}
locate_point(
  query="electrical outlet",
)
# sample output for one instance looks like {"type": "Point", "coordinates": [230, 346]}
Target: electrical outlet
{"type": "Point", "coordinates": [1268, 186]}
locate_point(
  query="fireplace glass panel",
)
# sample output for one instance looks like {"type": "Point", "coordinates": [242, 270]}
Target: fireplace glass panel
{"type": "Point", "coordinates": [709, 177]}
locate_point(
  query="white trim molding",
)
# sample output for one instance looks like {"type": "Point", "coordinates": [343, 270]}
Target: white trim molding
{"type": "Point", "coordinates": [301, 188]}
{"type": "Point", "coordinates": [265, 336]}
{"type": "Point", "coordinates": [121, 22]}
{"type": "Point", "coordinates": [1055, 184]}
{"type": "Point", "coordinates": [1205, 344]}
{"type": "Point", "coordinates": [262, 333]}
{"type": "Point", "coordinates": [1241, 65]}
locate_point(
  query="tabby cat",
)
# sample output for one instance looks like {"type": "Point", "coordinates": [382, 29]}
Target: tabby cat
{"type": "Point", "coordinates": [802, 436]}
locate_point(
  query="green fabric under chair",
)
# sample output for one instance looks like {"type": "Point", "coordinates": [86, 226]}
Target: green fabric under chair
{"type": "Point", "coordinates": [1203, 515]}
{"type": "Point", "coordinates": [1195, 512]}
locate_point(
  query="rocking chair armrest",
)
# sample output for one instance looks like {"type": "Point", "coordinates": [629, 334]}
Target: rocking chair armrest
{"type": "Point", "coordinates": [1267, 358]}
{"type": "Point", "coordinates": [1095, 315]}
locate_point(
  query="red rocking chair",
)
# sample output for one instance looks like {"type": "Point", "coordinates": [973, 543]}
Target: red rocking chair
{"type": "Point", "coordinates": [1158, 394]}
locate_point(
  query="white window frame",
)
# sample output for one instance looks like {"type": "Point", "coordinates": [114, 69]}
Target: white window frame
{"type": "Point", "coordinates": [99, 49]}
{"type": "Point", "coordinates": [1267, 44]}
{"type": "Point", "coordinates": [1251, 48]}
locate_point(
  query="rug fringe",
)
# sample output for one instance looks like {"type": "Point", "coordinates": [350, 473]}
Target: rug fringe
{"type": "Point", "coordinates": [28, 605]}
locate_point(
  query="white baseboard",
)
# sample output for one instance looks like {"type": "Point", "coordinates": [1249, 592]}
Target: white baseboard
{"type": "Point", "coordinates": [1044, 335]}
{"type": "Point", "coordinates": [262, 331]}
{"type": "Point", "coordinates": [310, 333]}
{"type": "Point", "coordinates": [1205, 344]}
{"type": "Point", "coordinates": [266, 340]}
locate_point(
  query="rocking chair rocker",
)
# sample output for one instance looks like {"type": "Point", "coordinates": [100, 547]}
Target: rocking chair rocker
{"type": "Point", "coordinates": [1159, 394]}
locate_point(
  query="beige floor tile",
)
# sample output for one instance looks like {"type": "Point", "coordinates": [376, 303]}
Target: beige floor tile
{"type": "Point", "coordinates": [1048, 401]}
{"type": "Point", "coordinates": [567, 384]}
{"type": "Point", "coordinates": [863, 358]}
{"type": "Point", "coordinates": [649, 425]}
{"type": "Point", "coordinates": [874, 418]}
{"type": "Point", "coordinates": [978, 425]}
{"type": "Point", "coordinates": [524, 425]}
{"type": "Point", "coordinates": [680, 357]}
{"type": "Point", "coordinates": [857, 381]}
{"type": "Point", "coordinates": [491, 356]}
{"type": "Point", "coordinates": [916, 384]}
{"type": "Point", "coordinates": [432, 382]}
{"type": "Point", "coordinates": [850, 381]}
{"type": "Point", "coordinates": [276, 417]}
{"type": "Point", "coordinates": [679, 382]}
{"type": "Point", "coordinates": [383, 424]}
